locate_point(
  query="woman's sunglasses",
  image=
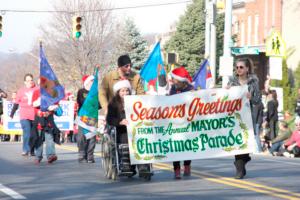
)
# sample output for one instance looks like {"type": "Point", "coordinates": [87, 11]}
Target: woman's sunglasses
{"type": "Point", "coordinates": [239, 67]}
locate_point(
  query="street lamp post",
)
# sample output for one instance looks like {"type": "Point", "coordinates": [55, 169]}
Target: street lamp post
{"type": "Point", "coordinates": [227, 40]}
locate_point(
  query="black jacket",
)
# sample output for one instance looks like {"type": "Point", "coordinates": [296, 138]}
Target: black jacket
{"type": "Point", "coordinates": [272, 113]}
{"type": "Point", "coordinates": [297, 110]}
{"type": "Point", "coordinates": [81, 95]}
{"type": "Point", "coordinates": [14, 109]}
{"type": "Point", "coordinates": [48, 127]}
{"type": "Point", "coordinates": [115, 116]}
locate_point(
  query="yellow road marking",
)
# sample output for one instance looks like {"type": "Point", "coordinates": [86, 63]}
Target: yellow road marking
{"type": "Point", "coordinates": [272, 191]}
{"type": "Point", "coordinates": [238, 183]}
{"type": "Point", "coordinates": [236, 180]}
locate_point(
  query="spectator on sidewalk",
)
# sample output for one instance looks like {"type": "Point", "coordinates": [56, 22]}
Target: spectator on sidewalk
{"type": "Point", "coordinates": [292, 145]}
{"type": "Point", "coordinates": [297, 110]}
{"type": "Point", "coordinates": [4, 137]}
{"type": "Point", "coordinates": [2, 95]}
{"type": "Point", "coordinates": [272, 113]}
{"type": "Point", "coordinates": [283, 134]}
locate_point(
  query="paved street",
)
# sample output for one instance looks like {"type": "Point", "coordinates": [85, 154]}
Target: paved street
{"type": "Point", "coordinates": [267, 178]}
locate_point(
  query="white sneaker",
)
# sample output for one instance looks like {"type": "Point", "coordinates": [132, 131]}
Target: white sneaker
{"type": "Point", "coordinates": [287, 154]}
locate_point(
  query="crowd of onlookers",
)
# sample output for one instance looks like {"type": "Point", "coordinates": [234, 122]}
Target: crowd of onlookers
{"type": "Point", "coordinates": [279, 137]}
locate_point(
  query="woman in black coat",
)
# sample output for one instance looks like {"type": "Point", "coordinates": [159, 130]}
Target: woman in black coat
{"type": "Point", "coordinates": [272, 113]}
{"type": "Point", "coordinates": [244, 76]}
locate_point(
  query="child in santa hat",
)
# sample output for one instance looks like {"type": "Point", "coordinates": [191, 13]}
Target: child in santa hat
{"type": "Point", "coordinates": [116, 117]}
{"type": "Point", "coordinates": [182, 82]}
{"type": "Point", "coordinates": [87, 81]}
{"type": "Point", "coordinates": [86, 147]}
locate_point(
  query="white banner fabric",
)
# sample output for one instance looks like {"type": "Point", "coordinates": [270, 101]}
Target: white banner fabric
{"type": "Point", "coordinates": [191, 125]}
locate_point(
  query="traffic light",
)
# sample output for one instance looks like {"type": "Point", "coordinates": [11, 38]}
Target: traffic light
{"type": "Point", "coordinates": [221, 4]}
{"type": "Point", "coordinates": [76, 27]}
{"type": "Point", "coordinates": [172, 58]}
{"type": "Point", "coordinates": [0, 26]}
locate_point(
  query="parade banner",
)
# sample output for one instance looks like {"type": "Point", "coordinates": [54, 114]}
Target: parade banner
{"type": "Point", "coordinates": [191, 125]}
{"type": "Point", "coordinates": [64, 122]}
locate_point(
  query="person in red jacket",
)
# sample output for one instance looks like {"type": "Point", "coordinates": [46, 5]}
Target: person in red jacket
{"type": "Point", "coordinates": [292, 145]}
{"type": "Point", "coordinates": [24, 102]}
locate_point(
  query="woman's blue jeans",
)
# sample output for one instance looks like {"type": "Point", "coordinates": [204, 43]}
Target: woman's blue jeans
{"type": "Point", "coordinates": [26, 127]}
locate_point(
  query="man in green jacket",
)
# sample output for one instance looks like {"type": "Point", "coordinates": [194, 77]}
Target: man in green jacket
{"type": "Point", "coordinates": [123, 72]}
{"type": "Point", "coordinates": [284, 134]}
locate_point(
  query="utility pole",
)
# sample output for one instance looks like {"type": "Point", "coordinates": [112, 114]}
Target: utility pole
{"type": "Point", "coordinates": [210, 35]}
{"type": "Point", "coordinates": [226, 62]}
{"type": "Point", "coordinates": [213, 40]}
{"type": "Point", "coordinates": [207, 30]}
{"type": "Point", "coordinates": [227, 28]}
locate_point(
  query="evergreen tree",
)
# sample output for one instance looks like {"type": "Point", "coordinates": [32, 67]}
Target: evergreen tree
{"type": "Point", "coordinates": [189, 38]}
{"type": "Point", "coordinates": [296, 87]}
{"type": "Point", "coordinates": [297, 77]}
{"type": "Point", "coordinates": [132, 43]}
{"type": "Point", "coordinates": [285, 84]}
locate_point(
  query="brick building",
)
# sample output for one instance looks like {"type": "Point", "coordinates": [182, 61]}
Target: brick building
{"type": "Point", "coordinates": [254, 20]}
{"type": "Point", "coordinates": [291, 30]}
{"type": "Point", "coordinates": [252, 23]}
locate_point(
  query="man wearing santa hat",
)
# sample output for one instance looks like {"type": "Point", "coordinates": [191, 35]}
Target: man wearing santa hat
{"type": "Point", "coordinates": [182, 82]}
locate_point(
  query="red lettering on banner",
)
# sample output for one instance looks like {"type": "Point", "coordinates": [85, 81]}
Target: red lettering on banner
{"type": "Point", "coordinates": [140, 113]}
{"type": "Point", "coordinates": [196, 107]}
{"type": "Point", "coordinates": [201, 108]}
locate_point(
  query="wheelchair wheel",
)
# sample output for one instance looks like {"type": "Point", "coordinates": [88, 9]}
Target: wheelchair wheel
{"type": "Point", "coordinates": [148, 177]}
{"type": "Point", "coordinates": [114, 174]}
{"type": "Point", "coordinates": [106, 160]}
{"type": "Point", "coordinates": [109, 169]}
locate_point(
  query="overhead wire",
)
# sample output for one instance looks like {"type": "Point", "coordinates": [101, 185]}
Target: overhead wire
{"type": "Point", "coordinates": [95, 10]}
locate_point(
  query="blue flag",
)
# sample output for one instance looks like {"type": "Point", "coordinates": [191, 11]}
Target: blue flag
{"type": "Point", "coordinates": [203, 78]}
{"type": "Point", "coordinates": [149, 71]}
{"type": "Point", "coordinates": [51, 90]}
{"type": "Point", "coordinates": [88, 114]}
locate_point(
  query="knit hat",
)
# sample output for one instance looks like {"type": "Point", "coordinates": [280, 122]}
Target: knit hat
{"type": "Point", "coordinates": [121, 84]}
{"type": "Point", "coordinates": [123, 60]}
{"type": "Point", "coordinates": [181, 74]}
{"type": "Point", "coordinates": [86, 79]}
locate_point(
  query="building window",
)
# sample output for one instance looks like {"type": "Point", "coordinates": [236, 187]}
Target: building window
{"type": "Point", "coordinates": [236, 27]}
{"type": "Point", "coordinates": [249, 31]}
{"type": "Point", "coordinates": [243, 33]}
{"type": "Point", "coordinates": [256, 27]}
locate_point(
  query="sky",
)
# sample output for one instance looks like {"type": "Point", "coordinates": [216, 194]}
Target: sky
{"type": "Point", "coordinates": [20, 30]}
